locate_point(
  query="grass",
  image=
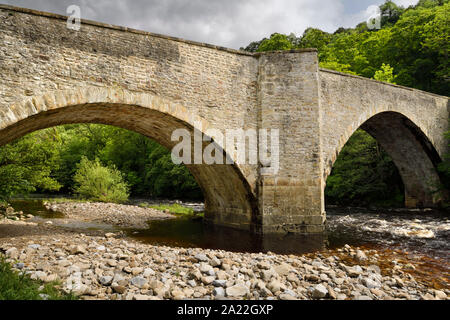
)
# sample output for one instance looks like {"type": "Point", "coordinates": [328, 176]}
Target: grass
{"type": "Point", "coordinates": [175, 209]}
{"type": "Point", "coordinates": [19, 286]}
{"type": "Point", "coordinates": [64, 200]}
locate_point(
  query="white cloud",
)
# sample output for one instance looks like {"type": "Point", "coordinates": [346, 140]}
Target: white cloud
{"type": "Point", "coordinates": [406, 3]}
{"type": "Point", "coordinates": [231, 23]}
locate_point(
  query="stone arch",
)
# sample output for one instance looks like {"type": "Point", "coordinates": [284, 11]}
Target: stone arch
{"type": "Point", "coordinates": [410, 148]}
{"type": "Point", "coordinates": [229, 199]}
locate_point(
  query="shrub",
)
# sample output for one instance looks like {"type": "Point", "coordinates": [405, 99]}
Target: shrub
{"type": "Point", "coordinates": [98, 183]}
{"type": "Point", "coordinates": [19, 286]}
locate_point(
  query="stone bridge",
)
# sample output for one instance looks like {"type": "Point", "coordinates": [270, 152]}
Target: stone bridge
{"type": "Point", "coordinates": [154, 84]}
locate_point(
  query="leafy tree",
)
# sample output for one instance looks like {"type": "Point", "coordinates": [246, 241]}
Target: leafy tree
{"type": "Point", "coordinates": [25, 165]}
{"type": "Point", "coordinates": [277, 41]}
{"type": "Point", "coordinates": [390, 13]}
{"type": "Point", "coordinates": [336, 66]}
{"type": "Point", "coordinates": [314, 38]}
{"type": "Point", "coordinates": [364, 174]}
{"type": "Point", "coordinates": [385, 74]}
{"type": "Point", "coordinates": [419, 47]}
{"type": "Point", "coordinates": [253, 46]}
{"type": "Point", "coordinates": [168, 179]}
{"type": "Point", "coordinates": [99, 183]}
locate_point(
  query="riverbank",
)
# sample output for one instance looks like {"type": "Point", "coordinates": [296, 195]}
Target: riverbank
{"type": "Point", "coordinates": [108, 266]}
{"type": "Point", "coordinates": [102, 263]}
{"type": "Point", "coordinates": [128, 216]}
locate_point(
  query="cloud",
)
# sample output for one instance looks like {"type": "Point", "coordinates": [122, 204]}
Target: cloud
{"type": "Point", "coordinates": [231, 23]}
{"type": "Point", "coordinates": [406, 3]}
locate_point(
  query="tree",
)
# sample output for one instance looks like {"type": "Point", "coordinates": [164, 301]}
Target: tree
{"type": "Point", "coordinates": [315, 38]}
{"type": "Point", "coordinates": [390, 13]}
{"type": "Point", "coordinates": [364, 174]}
{"type": "Point", "coordinates": [253, 46]}
{"type": "Point", "coordinates": [419, 47]}
{"type": "Point", "coordinates": [385, 74]}
{"type": "Point", "coordinates": [25, 165]}
{"type": "Point", "coordinates": [99, 183]}
{"type": "Point", "coordinates": [277, 41]}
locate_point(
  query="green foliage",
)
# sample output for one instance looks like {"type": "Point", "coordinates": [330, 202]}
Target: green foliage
{"type": "Point", "coordinates": [277, 41]}
{"type": "Point", "coordinates": [336, 66]}
{"type": "Point", "coordinates": [413, 41]}
{"type": "Point", "coordinates": [26, 165]}
{"type": "Point", "coordinates": [390, 13]}
{"type": "Point", "coordinates": [314, 38]}
{"type": "Point", "coordinates": [419, 47]}
{"type": "Point", "coordinates": [46, 161]}
{"type": "Point", "coordinates": [19, 286]}
{"type": "Point", "coordinates": [364, 174]}
{"type": "Point", "coordinates": [98, 183]}
{"type": "Point", "coordinates": [385, 74]}
{"type": "Point", "coordinates": [146, 166]}
{"type": "Point", "coordinates": [78, 141]}
{"type": "Point", "coordinates": [175, 209]}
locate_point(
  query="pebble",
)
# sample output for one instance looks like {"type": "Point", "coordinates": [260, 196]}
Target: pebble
{"type": "Point", "coordinates": [319, 292]}
{"type": "Point", "coordinates": [201, 257]}
{"type": "Point", "coordinates": [219, 283]}
{"type": "Point", "coordinates": [218, 292]}
{"type": "Point", "coordinates": [105, 280]}
{"type": "Point", "coordinates": [237, 291]}
{"type": "Point", "coordinates": [138, 282]}
{"type": "Point", "coordinates": [12, 253]}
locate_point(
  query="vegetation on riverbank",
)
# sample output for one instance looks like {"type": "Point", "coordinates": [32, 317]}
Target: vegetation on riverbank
{"type": "Point", "coordinates": [19, 286]}
{"type": "Point", "coordinates": [176, 209]}
{"type": "Point", "coordinates": [99, 183]}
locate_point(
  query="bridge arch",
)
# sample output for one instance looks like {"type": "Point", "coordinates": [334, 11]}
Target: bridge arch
{"type": "Point", "coordinates": [411, 150]}
{"type": "Point", "coordinates": [229, 199]}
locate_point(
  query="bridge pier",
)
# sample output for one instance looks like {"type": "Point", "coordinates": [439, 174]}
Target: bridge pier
{"type": "Point", "coordinates": [292, 199]}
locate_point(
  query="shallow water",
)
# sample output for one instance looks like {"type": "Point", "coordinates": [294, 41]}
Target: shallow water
{"type": "Point", "coordinates": [417, 232]}
{"type": "Point", "coordinates": [36, 208]}
{"type": "Point", "coordinates": [414, 231]}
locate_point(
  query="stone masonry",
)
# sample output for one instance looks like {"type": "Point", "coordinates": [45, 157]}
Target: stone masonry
{"type": "Point", "coordinates": [154, 84]}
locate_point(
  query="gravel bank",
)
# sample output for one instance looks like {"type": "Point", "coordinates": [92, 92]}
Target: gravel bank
{"type": "Point", "coordinates": [110, 267]}
{"type": "Point", "coordinates": [128, 216]}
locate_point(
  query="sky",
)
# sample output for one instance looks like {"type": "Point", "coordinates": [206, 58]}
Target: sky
{"type": "Point", "coordinates": [227, 23]}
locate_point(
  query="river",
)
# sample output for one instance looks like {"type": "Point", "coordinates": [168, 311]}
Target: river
{"type": "Point", "coordinates": [421, 236]}
{"type": "Point", "coordinates": [415, 231]}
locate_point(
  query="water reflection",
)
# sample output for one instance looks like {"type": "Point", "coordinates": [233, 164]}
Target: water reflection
{"type": "Point", "coordinates": [36, 208]}
{"type": "Point", "coordinates": [193, 233]}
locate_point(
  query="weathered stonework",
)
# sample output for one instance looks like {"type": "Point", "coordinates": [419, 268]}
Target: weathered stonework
{"type": "Point", "coordinates": [153, 84]}
{"type": "Point", "coordinates": [408, 123]}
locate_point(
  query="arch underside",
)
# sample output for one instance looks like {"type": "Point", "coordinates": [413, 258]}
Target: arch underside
{"type": "Point", "coordinates": [228, 197]}
{"type": "Point", "coordinates": [412, 153]}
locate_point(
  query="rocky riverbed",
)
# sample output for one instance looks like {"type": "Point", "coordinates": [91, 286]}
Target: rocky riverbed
{"type": "Point", "coordinates": [109, 266]}
{"type": "Point", "coordinates": [129, 216]}
{"type": "Point", "coordinates": [97, 264]}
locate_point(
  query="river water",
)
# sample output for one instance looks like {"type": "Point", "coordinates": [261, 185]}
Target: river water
{"type": "Point", "coordinates": [417, 231]}
{"type": "Point", "coordinates": [421, 237]}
